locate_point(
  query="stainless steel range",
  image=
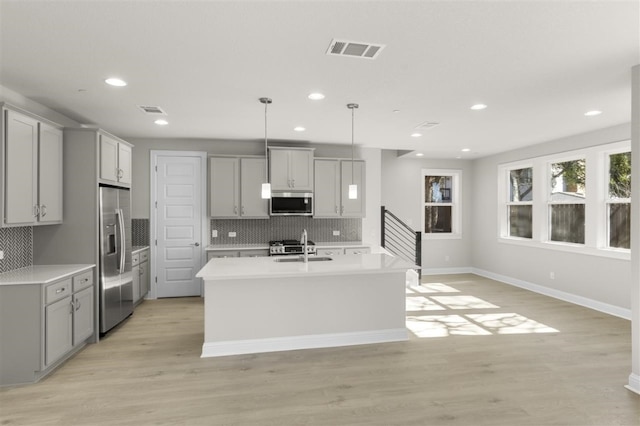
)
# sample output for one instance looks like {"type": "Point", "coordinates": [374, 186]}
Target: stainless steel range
{"type": "Point", "coordinates": [290, 247]}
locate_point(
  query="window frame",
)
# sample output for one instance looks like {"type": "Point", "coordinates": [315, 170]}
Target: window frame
{"type": "Point", "coordinates": [608, 201]}
{"type": "Point", "coordinates": [455, 203]}
{"type": "Point", "coordinates": [509, 203]}
{"type": "Point", "coordinates": [579, 155]}
{"type": "Point", "coordinates": [596, 194]}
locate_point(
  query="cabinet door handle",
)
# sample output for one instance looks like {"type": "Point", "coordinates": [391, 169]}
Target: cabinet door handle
{"type": "Point", "coordinates": [336, 209]}
{"type": "Point", "coordinates": [235, 209]}
{"type": "Point", "coordinates": [43, 210]}
{"type": "Point", "coordinates": [242, 210]}
{"type": "Point", "coordinates": [36, 210]}
{"type": "Point", "coordinates": [78, 304]}
{"type": "Point", "coordinates": [60, 290]}
{"type": "Point", "coordinates": [120, 173]}
{"type": "Point", "coordinates": [342, 209]}
{"type": "Point", "coordinates": [293, 183]}
{"type": "Point", "coordinates": [140, 272]}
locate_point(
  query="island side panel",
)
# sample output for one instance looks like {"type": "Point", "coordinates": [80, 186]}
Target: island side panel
{"type": "Point", "coordinates": [293, 312]}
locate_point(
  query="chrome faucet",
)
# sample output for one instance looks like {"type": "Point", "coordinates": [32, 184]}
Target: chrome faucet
{"type": "Point", "coordinates": [303, 241]}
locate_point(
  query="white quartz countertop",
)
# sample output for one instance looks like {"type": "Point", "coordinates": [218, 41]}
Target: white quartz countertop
{"type": "Point", "coordinates": [41, 274]}
{"type": "Point", "coordinates": [267, 267]}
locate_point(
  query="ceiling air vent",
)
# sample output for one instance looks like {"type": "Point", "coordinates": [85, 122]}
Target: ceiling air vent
{"type": "Point", "coordinates": [354, 48]}
{"type": "Point", "coordinates": [427, 125]}
{"type": "Point", "coordinates": [155, 110]}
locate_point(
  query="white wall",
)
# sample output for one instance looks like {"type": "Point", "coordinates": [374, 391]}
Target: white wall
{"type": "Point", "coordinates": [401, 185]}
{"type": "Point", "coordinates": [598, 279]}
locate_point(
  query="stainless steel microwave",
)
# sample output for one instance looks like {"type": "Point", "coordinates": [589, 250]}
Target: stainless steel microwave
{"type": "Point", "coordinates": [291, 204]}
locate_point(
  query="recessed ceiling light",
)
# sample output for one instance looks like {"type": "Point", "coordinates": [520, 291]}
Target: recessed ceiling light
{"type": "Point", "coordinates": [299, 129]}
{"type": "Point", "coordinates": [478, 107]}
{"type": "Point", "coordinates": [466, 149]}
{"type": "Point", "coordinates": [316, 96]}
{"type": "Point", "coordinates": [161, 122]}
{"type": "Point", "coordinates": [115, 82]}
{"type": "Point", "coordinates": [592, 113]}
{"type": "Point", "coordinates": [416, 135]}
{"type": "Point", "coordinates": [395, 111]}
{"type": "Point", "coordinates": [419, 154]}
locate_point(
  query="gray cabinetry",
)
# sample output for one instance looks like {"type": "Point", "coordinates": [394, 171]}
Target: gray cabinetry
{"type": "Point", "coordinates": [213, 254]}
{"type": "Point", "coordinates": [115, 161]}
{"type": "Point", "coordinates": [140, 272]}
{"type": "Point", "coordinates": [291, 169]}
{"type": "Point", "coordinates": [235, 187]}
{"type": "Point", "coordinates": [42, 324]}
{"type": "Point", "coordinates": [332, 180]}
{"type": "Point", "coordinates": [31, 155]}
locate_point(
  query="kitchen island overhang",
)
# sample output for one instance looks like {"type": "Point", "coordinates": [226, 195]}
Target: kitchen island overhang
{"type": "Point", "coordinates": [257, 305]}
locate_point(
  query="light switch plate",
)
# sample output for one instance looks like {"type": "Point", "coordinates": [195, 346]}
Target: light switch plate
{"type": "Point", "coordinates": [214, 233]}
{"type": "Point", "coordinates": [1, 254]}
{"type": "Point", "coordinates": [232, 234]}
{"type": "Point", "coordinates": [336, 233]}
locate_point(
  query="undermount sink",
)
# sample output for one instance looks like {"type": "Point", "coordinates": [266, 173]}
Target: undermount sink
{"type": "Point", "coordinates": [301, 259]}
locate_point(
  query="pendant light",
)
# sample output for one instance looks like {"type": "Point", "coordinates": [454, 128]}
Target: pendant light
{"type": "Point", "coordinates": [353, 188]}
{"type": "Point", "coordinates": [266, 187]}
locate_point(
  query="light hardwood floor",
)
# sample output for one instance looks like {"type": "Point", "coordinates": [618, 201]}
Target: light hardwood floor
{"type": "Point", "coordinates": [492, 365]}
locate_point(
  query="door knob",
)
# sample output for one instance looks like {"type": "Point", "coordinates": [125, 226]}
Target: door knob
{"type": "Point", "coordinates": [196, 244]}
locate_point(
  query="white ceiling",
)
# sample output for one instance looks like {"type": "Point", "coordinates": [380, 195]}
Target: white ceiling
{"type": "Point", "coordinates": [538, 65]}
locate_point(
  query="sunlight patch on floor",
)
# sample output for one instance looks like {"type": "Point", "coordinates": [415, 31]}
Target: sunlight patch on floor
{"type": "Point", "coordinates": [420, 303]}
{"type": "Point", "coordinates": [510, 323]}
{"type": "Point", "coordinates": [432, 288]}
{"type": "Point", "coordinates": [463, 302]}
{"type": "Point", "coordinates": [422, 299]}
{"type": "Point", "coordinates": [443, 326]}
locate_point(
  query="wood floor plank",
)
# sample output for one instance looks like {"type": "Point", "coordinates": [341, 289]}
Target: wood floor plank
{"type": "Point", "coordinates": [149, 371]}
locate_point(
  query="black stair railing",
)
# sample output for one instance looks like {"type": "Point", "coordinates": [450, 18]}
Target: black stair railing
{"type": "Point", "coordinates": [400, 239]}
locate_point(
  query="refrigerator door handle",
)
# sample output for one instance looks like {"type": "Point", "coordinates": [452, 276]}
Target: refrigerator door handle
{"type": "Point", "coordinates": [122, 247]}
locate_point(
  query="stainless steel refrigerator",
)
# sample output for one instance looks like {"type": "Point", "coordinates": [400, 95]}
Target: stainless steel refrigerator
{"type": "Point", "coordinates": [116, 279]}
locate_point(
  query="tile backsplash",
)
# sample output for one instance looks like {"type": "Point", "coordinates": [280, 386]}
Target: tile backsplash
{"type": "Point", "coordinates": [259, 231]}
{"type": "Point", "coordinates": [140, 232]}
{"type": "Point", "coordinates": [17, 245]}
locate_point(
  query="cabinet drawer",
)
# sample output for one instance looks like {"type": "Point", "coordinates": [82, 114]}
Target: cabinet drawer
{"type": "Point", "coordinates": [83, 280]}
{"type": "Point", "coordinates": [144, 256]}
{"type": "Point", "coordinates": [332, 251]}
{"type": "Point", "coordinates": [57, 291]}
{"type": "Point", "coordinates": [135, 259]}
{"type": "Point", "coordinates": [357, 250]}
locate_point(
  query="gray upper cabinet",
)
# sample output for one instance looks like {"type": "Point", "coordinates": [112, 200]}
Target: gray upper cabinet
{"type": "Point", "coordinates": [235, 187]}
{"type": "Point", "coordinates": [291, 169]}
{"type": "Point", "coordinates": [115, 161]}
{"type": "Point", "coordinates": [31, 153]}
{"type": "Point", "coordinates": [332, 180]}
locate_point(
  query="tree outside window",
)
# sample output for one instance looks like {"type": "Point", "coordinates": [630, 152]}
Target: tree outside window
{"type": "Point", "coordinates": [619, 201]}
{"type": "Point", "coordinates": [520, 205]}
{"type": "Point", "coordinates": [567, 201]}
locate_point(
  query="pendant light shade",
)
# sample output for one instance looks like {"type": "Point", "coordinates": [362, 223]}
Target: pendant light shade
{"type": "Point", "coordinates": [266, 186]}
{"type": "Point", "coordinates": [353, 188]}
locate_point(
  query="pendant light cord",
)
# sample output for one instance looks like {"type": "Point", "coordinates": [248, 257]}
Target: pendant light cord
{"type": "Point", "coordinates": [353, 113]}
{"type": "Point", "coordinates": [266, 151]}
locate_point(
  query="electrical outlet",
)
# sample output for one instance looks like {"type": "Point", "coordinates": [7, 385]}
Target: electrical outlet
{"type": "Point", "coordinates": [1, 254]}
{"type": "Point", "coordinates": [336, 233]}
{"type": "Point", "coordinates": [232, 234]}
{"type": "Point", "coordinates": [214, 233]}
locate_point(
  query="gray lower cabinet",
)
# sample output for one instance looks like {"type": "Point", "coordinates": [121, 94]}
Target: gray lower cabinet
{"type": "Point", "coordinates": [140, 272]}
{"type": "Point", "coordinates": [213, 254]}
{"type": "Point", "coordinates": [41, 325]}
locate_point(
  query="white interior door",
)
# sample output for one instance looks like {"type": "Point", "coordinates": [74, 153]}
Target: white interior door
{"type": "Point", "coordinates": [178, 213]}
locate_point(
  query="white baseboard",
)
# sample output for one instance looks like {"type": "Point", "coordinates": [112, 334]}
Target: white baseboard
{"type": "Point", "coordinates": [275, 344]}
{"type": "Point", "coordinates": [447, 271]}
{"type": "Point", "coordinates": [557, 294]}
{"type": "Point", "coordinates": [634, 383]}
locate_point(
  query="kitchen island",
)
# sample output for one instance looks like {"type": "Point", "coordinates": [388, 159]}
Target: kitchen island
{"type": "Point", "coordinates": [263, 305]}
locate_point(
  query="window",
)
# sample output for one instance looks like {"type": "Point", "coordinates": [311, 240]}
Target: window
{"type": "Point", "coordinates": [618, 202]}
{"type": "Point", "coordinates": [440, 196]}
{"type": "Point", "coordinates": [578, 201]}
{"type": "Point", "coordinates": [520, 205]}
{"type": "Point", "coordinates": [567, 201]}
